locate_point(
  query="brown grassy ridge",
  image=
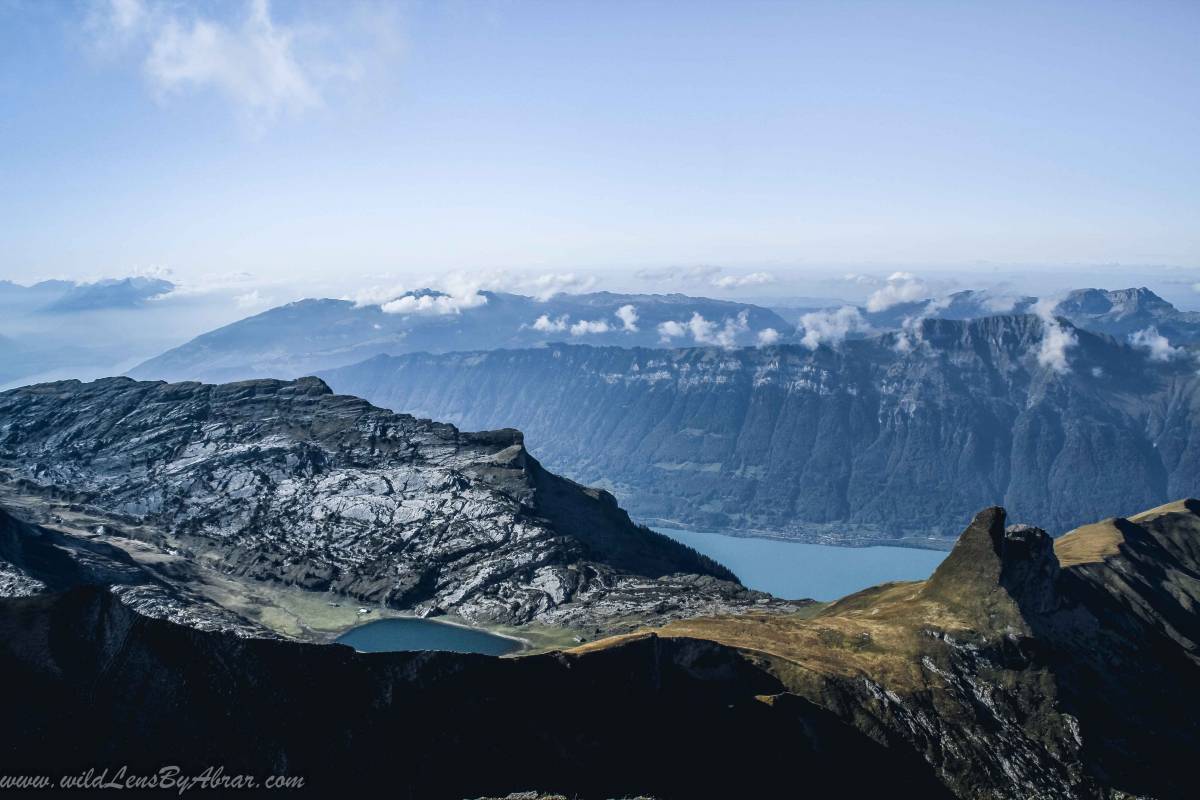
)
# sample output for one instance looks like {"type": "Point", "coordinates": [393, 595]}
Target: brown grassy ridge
{"type": "Point", "coordinates": [879, 632]}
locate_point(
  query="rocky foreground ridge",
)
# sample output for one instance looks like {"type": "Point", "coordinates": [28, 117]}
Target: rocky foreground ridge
{"type": "Point", "coordinates": [288, 483]}
{"type": "Point", "coordinates": [1024, 667]}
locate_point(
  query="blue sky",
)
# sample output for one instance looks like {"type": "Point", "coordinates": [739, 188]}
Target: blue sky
{"type": "Point", "coordinates": [334, 142]}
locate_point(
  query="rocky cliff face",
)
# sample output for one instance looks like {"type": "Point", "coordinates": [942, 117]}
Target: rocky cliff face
{"type": "Point", "coordinates": [290, 483]}
{"type": "Point", "coordinates": [35, 560]}
{"type": "Point", "coordinates": [1121, 312]}
{"type": "Point", "coordinates": [1022, 668]}
{"type": "Point", "coordinates": [869, 441]}
{"type": "Point", "coordinates": [1115, 312]}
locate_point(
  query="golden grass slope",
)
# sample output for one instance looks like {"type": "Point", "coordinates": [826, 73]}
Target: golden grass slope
{"type": "Point", "coordinates": [881, 632]}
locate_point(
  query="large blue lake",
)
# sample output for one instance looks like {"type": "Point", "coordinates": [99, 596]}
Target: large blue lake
{"type": "Point", "coordinates": [794, 570]}
{"type": "Point", "coordinates": [390, 635]}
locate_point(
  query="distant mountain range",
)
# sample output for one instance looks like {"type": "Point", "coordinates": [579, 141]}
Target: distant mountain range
{"type": "Point", "coordinates": [303, 337]}
{"type": "Point", "coordinates": [866, 442]}
{"type": "Point", "coordinates": [307, 336]}
{"type": "Point", "coordinates": [1119, 313]}
{"type": "Point", "coordinates": [70, 296]}
{"type": "Point", "coordinates": [54, 328]}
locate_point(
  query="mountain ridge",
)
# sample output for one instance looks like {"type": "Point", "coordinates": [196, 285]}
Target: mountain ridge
{"type": "Point", "coordinates": [1012, 672]}
{"type": "Point", "coordinates": [290, 483]}
{"type": "Point", "coordinates": [301, 337]}
{"type": "Point", "coordinates": [866, 442]}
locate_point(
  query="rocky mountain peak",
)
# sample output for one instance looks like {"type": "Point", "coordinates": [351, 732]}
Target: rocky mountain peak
{"type": "Point", "coordinates": [1114, 302]}
{"type": "Point", "coordinates": [1003, 571]}
{"type": "Point", "coordinates": [285, 481]}
{"type": "Point", "coordinates": [1014, 334]}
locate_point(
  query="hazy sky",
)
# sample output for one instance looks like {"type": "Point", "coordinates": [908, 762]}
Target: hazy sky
{"type": "Point", "coordinates": [328, 140]}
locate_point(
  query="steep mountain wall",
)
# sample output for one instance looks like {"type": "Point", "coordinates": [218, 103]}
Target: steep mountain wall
{"type": "Point", "coordinates": [868, 441]}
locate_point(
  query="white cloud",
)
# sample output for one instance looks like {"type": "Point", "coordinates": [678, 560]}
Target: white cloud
{"type": "Point", "coordinates": [545, 286]}
{"type": "Point", "coordinates": [767, 337]}
{"type": "Point", "coordinates": [541, 286]}
{"type": "Point", "coordinates": [671, 330]}
{"type": "Point", "coordinates": [1155, 344]}
{"type": "Point", "coordinates": [547, 325]}
{"type": "Point", "coordinates": [682, 275]}
{"type": "Point", "coordinates": [736, 281]}
{"type": "Point", "coordinates": [251, 299]}
{"type": "Point", "coordinates": [230, 284]}
{"type": "Point", "coordinates": [1055, 342]}
{"type": "Point", "coordinates": [433, 304]}
{"type": "Point", "coordinates": [464, 290]}
{"type": "Point", "coordinates": [912, 329]}
{"type": "Point", "coordinates": [900, 287]}
{"type": "Point", "coordinates": [584, 327]}
{"type": "Point", "coordinates": [127, 14]}
{"type": "Point", "coordinates": [376, 295]}
{"type": "Point", "coordinates": [1056, 339]}
{"type": "Point", "coordinates": [831, 327]}
{"type": "Point", "coordinates": [705, 331]}
{"type": "Point", "coordinates": [629, 317]}
{"type": "Point", "coordinates": [907, 340]}
{"type": "Point", "coordinates": [265, 68]}
{"type": "Point", "coordinates": [999, 303]}
{"type": "Point", "coordinates": [703, 275]}
{"type": "Point", "coordinates": [253, 64]}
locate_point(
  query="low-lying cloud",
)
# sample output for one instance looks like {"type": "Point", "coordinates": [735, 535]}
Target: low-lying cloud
{"type": "Point", "coordinates": [547, 325]}
{"type": "Point", "coordinates": [1057, 339]}
{"type": "Point", "coordinates": [767, 337]}
{"type": "Point", "coordinates": [433, 304]}
{"type": "Point", "coordinates": [900, 287]}
{"type": "Point", "coordinates": [831, 327]}
{"type": "Point", "coordinates": [1157, 347]}
{"type": "Point", "coordinates": [583, 327]}
{"type": "Point", "coordinates": [706, 332]}
{"type": "Point", "coordinates": [627, 314]}
{"type": "Point", "coordinates": [738, 281]}
{"type": "Point", "coordinates": [629, 317]}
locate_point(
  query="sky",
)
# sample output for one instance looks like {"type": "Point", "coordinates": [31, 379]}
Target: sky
{"type": "Point", "coordinates": [340, 144]}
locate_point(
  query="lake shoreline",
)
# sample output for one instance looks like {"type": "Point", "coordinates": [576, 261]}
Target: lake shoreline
{"type": "Point", "coordinates": [796, 570]}
{"type": "Point", "coordinates": [412, 634]}
{"type": "Point", "coordinates": [940, 544]}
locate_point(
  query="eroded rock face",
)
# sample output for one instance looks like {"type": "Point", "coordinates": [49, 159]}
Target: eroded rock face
{"type": "Point", "coordinates": [285, 481]}
{"type": "Point", "coordinates": [35, 560]}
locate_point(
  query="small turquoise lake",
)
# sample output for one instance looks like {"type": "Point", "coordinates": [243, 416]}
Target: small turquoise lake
{"type": "Point", "coordinates": [406, 634]}
{"type": "Point", "coordinates": [795, 570]}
